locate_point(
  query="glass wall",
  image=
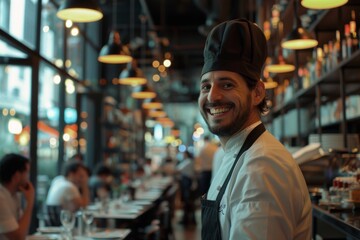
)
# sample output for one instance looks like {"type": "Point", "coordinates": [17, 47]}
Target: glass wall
{"type": "Point", "coordinates": [15, 82]}
{"type": "Point", "coordinates": [63, 65]}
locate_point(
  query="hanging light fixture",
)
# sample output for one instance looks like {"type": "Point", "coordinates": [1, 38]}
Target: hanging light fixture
{"type": "Point", "coordinates": [132, 75]}
{"type": "Point", "coordinates": [79, 11]}
{"type": "Point", "coordinates": [152, 104]}
{"type": "Point", "coordinates": [280, 66]}
{"type": "Point", "coordinates": [114, 52]}
{"type": "Point", "coordinates": [143, 92]}
{"type": "Point", "coordinates": [299, 38]}
{"type": "Point", "coordinates": [323, 4]}
{"type": "Point", "coordinates": [156, 114]}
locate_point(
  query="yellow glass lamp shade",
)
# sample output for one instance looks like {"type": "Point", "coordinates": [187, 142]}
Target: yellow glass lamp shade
{"type": "Point", "coordinates": [280, 66]}
{"type": "Point", "coordinates": [323, 4]}
{"type": "Point", "coordinates": [299, 39]}
{"type": "Point", "coordinates": [143, 92]}
{"type": "Point", "coordinates": [79, 11]}
{"type": "Point", "coordinates": [132, 75]}
{"type": "Point", "coordinates": [157, 114]}
{"type": "Point", "coordinates": [114, 52]}
{"type": "Point", "coordinates": [152, 104]}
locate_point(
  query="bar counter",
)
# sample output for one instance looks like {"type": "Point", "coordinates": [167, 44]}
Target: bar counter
{"type": "Point", "coordinates": [346, 221]}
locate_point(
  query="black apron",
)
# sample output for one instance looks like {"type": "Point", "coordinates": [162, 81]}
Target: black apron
{"type": "Point", "coordinates": [210, 221]}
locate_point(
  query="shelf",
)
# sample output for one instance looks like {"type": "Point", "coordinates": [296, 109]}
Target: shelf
{"type": "Point", "coordinates": [329, 84]}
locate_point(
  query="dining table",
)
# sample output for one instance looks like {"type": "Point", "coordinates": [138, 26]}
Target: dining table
{"type": "Point", "coordinates": [58, 233]}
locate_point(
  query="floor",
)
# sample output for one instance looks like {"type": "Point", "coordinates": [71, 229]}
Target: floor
{"type": "Point", "coordinates": [191, 232]}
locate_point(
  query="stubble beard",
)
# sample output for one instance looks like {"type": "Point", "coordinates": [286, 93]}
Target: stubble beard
{"type": "Point", "coordinates": [234, 126]}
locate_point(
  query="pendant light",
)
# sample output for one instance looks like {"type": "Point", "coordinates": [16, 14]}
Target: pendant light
{"type": "Point", "coordinates": [114, 52]}
{"type": "Point", "coordinates": [279, 66]}
{"type": "Point", "coordinates": [323, 4]}
{"type": "Point", "coordinates": [151, 104]}
{"type": "Point", "coordinates": [79, 11]}
{"type": "Point", "coordinates": [132, 75]}
{"type": "Point", "coordinates": [143, 92]}
{"type": "Point", "coordinates": [299, 38]}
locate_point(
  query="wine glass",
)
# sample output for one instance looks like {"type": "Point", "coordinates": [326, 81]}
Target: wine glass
{"type": "Point", "coordinates": [88, 217]}
{"type": "Point", "coordinates": [67, 219]}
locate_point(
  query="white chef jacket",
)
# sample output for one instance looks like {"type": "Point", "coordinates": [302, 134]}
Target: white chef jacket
{"type": "Point", "coordinates": [266, 197]}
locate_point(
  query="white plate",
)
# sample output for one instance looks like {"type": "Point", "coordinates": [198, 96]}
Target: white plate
{"type": "Point", "coordinates": [107, 235]}
{"type": "Point", "coordinates": [50, 229]}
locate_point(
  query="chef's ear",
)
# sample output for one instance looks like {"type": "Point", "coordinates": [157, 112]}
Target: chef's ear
{"type": "Point", "coordinates": [259, 92]}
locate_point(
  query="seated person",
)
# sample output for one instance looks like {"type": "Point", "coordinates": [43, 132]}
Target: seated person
{"type": "Point", "coordinates": [100, 182]}
{"type": "Point", "coordinates": [14, 179]}
{"type": "Point", "coordinates": [70, 191]}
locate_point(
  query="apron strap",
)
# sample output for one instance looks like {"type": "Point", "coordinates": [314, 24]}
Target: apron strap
{"type": "Point", "coordinates": [250, 139]}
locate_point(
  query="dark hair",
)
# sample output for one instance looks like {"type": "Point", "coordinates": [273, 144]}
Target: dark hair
{"type": "Point", "coordinates": [10, 164]}
{"type": "Point", "coordinates": [262, 106]}
{"type": "Point", "coordinates": [102, 169]}
{"type": "Point", "coordinates": [73, 166]}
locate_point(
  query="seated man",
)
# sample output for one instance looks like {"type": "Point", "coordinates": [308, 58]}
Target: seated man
{"type": "Point", "coordinates": [14, 178]}
{"type": "Point", "coordinates": [100, 182]}
{"type": "Point", "coordinates": [70, 191]}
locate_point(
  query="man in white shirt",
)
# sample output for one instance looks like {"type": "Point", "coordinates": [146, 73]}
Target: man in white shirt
{"type": "Point", "coordinates": [70, 191]}
{"type": "Point", "coordinates": [258, 191]}
{"type": "Point", "coordinates": [14, 180]}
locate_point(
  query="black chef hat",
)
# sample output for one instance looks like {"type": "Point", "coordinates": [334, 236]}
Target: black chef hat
{"type": "Point", "coordinates": [237, 46]}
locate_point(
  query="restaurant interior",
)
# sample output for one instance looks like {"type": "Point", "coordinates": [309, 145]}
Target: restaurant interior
{"type": "Point", "coordinates": [117, 83]}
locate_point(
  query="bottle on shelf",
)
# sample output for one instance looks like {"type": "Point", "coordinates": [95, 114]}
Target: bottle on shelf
{"type": "Point", "coordinates": [346, 42]}
{"type": "Point", "coordinates": [353, 33]}
{"type": "Point", "coordinates": [336, 53]}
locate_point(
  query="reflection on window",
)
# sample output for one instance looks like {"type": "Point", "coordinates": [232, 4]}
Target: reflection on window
{"type": "Point", "coordinates": [14, 109]}
{"type": "Point", "coordinates": [48, 125]}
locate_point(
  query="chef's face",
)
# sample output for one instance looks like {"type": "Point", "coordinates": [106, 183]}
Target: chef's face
{"type": "Point", "coordinates": [225, 102]}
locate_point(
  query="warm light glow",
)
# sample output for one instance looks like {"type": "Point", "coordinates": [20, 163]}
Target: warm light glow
{"type": "Point", "coordinates": [59, 63]}
{"type": "Point", "coordinates": [57, 79]}
{"type": "Point", "coordinates": [200, 130]}
{"type": "Point", "coordinates": [323, 4]}
{"type": "Point", "coordinates": [46, 29]}
{"type": "Point", "coordinates": [298, 44]}
{"type": "Point", "coordinates": [5, 111]}
{"type": "Point", "coordinates": [68, 24]}
{"type": "Point", "coordinates": [66, 137]}
{"type": "Point", "coordinates": [53, 142]}
{"type": "Point", "coordinates": [83, 125]}
{"type": "Point", "coordinates": [133, 81]}
{"type": "Point", "coordinates": [79, 14]}
{"type": "Point", "coordinates": [143, 95]}
{"type": "Point", "coordinates": [74, 31]}
{"type": "Point", "coordinates": [68, 63]}
{"type": "Point", "coordinates": [84, 114]}
{"type": "Point", "coordinates": [279, 68]}
{"type": "Point", "coordinates": [12, 112]}
{"type": "Point", "coordinates": [156, 77]}
{"type": "Point", "coordinates": [157, 114]}
{"type": "Point", "coordinates": [15, 126]}
{"type": "Point", "coordinates": [155, 63]}
{"type": "Point", "coordinates": [115, 59]}
{"type": "Point", "coordinates": [152, 105]}
{"type": "Point", "coordinates": [270, 84]}
{"type": "Point", "coordinates": [167, 63]}
{"type": "Point", "coordinates": [161, 68]}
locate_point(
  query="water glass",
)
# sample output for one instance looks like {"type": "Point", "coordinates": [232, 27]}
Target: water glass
{"type": "Point", "coordinates": [88, 217]}
{"type": "Point", "coordinates": [67, 219]}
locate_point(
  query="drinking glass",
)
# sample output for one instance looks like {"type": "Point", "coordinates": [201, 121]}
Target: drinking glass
{"type": "Point", "coordinates": [67, 219]}
{"type": "Point", "coordinates": [88, 217]}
